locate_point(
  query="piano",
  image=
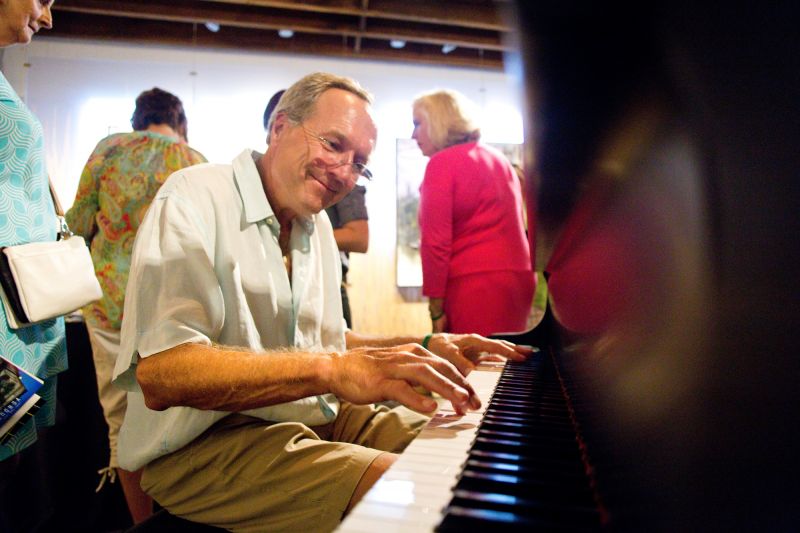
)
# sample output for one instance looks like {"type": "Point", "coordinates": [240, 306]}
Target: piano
{"type": "Point", "coordinates": [517, 462]}
{"type": "Point", "coordinates": [662, 156]}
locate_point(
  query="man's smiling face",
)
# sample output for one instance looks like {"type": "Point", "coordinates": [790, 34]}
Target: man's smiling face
{"type": "Point", "coordinates": [311, 164]}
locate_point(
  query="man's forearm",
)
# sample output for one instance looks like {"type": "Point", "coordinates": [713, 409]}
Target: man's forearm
{"type": "Point", "coordinates": [356, 340]}
{"type": "Point", "coordinates": [229, 379]}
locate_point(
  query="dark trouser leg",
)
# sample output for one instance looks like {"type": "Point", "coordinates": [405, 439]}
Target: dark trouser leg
{"type": "Point", "coordinates": [346, 308]}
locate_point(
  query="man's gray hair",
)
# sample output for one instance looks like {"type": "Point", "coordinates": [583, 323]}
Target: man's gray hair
{"type": "Point", "coordinates": [299, 100]}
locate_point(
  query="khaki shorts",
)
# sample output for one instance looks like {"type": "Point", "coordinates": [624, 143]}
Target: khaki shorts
{"type": "Point", "coordinates": [247, 475]}
{"type": "Point", "coordinates": [105, 347]}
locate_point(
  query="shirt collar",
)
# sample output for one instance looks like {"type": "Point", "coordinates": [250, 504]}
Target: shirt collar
{"type": "Point", "coordinates": [254, 200]}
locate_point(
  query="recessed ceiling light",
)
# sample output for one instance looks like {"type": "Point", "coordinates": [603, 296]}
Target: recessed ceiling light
{"type": "Point", "coordinates": [286, 34]}
{"type": "Point", "coordinates": [446, 49]}
{"type": "Point", "coordinates": [397, 43]}
{"type": "Point", "coordinates": [212, 27]}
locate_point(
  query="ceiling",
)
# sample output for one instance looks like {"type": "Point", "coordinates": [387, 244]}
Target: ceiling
{"type": "Point", "coordinates": [465, 33]}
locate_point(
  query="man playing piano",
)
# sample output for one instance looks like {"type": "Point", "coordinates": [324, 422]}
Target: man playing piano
{"type": "Point", "coordinates": [250, 405]}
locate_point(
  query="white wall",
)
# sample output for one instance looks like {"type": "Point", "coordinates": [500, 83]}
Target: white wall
{"type": "Point", "coordinates": [81, 92]}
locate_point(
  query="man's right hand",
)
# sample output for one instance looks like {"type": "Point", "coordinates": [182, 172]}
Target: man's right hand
{"type": "Point", "coordinates": [368, 375]}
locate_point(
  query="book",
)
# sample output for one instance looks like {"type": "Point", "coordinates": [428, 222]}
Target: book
{"type": "Point", "coordinates": [18, 398]}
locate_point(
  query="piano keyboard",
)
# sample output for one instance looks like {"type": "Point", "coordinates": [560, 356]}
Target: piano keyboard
{"type": "Point", "coordinates": [410, 496]}
{"type": "Point", "coordinates": [514, 464]}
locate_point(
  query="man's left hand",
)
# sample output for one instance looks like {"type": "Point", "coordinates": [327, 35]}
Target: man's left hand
{"type": "Point", "coordinates": [466, 351]}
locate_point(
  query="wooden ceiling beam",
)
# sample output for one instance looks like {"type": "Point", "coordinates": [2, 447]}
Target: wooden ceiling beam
{"type": "Point", "coordinates": [246, 17]}
{"type": "Point", "coordinates": [192, 11]}
{"type": "Point", "coordinates": [419, 33]}
{"type": "Point", "coordinates": [103, 28]}
{"type": "Point", "coordinates": [480, 14]}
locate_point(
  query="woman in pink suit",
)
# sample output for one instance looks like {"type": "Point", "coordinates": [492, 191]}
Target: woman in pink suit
{"type": "Point", "coordinates": [476, 263]}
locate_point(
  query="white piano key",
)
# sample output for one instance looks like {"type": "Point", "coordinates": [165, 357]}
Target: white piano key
{"type": "Point", "coordinates": [387, 520]}
{"type": "Point", "coordinates": [412, 494]}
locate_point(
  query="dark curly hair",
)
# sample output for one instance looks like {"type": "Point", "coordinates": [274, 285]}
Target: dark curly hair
{"type": "Point", "coordinates": [157, 106]}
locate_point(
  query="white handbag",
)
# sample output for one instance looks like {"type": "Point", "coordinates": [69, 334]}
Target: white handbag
{"type": "Point", "coordinates": [44, 280]}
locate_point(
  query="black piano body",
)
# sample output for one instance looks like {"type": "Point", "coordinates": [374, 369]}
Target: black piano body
{"type": "Point", "coordinates": [662, 163]}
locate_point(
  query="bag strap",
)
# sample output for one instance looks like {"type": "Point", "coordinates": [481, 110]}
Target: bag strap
{"type": "Point", "coordinates": [63, 229]}
{"type": "Point", "coordinates": [54, 196]}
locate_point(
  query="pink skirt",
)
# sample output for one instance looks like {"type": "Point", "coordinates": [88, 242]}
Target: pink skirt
{"type": "Point", "coordinates": [489, 302]}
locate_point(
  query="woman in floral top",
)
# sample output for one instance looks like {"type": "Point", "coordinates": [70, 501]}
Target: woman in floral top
{"type": "Point", "coordinates": [116, 187]}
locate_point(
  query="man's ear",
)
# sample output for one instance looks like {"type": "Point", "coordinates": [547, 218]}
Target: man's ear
{"type": "Point", "coordinates": [279, 123]}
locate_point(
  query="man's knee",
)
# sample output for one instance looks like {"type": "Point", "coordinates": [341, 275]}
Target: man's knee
{"type": "Point", "coordinates": [372, 474]}
{"type": "Point", "coordinates": [382, 463]}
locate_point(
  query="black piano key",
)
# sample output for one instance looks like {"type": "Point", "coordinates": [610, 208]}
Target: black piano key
{"type": "Point", "coordinates": [527, 448]}
{"type": "Point", "coordinates": [541, 440]}
{"type": "Point", "coordinates": [547, 488]}
{"type": "Point", "coordinates": [543, 417]}
{"type": "Point", "coordinates": [517, 384]}
{"type": "Point", "coordinates": [532, 428]}
{"type": "Point", "coordinates": [534, 421]}
{"type": "Point", "coordinates": [526, 445]}
{"type": "Point", "coordinates": [466, 519]}
{"type": "Point", "coordinates": [563, 475]}
{"type": "Point", "coordinates": [568, 467]}
{"type": "Point", "coordinates": [572, 515]}
{"type": "Point", "coordinates": [531, 404]}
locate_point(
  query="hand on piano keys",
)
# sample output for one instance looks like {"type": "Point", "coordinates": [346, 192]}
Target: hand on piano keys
{"type": "Point", "coordinates": [466, 351]}
{"type": "Point", "coordinates": [413, 492]}
{"type": "Point", "coordinates": [515, 464]}
{"type": "Point", "coordinates": [371, 374]}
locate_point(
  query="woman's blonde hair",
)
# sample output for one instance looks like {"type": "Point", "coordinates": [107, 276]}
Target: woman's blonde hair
{"type": "Point", "coordinates": [449, 118]}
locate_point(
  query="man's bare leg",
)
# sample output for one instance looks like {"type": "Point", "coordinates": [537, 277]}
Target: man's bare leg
{"type": "Point", "coordinates": [375, 470]}
{"type": "Point", "coordinates": [139, 503]}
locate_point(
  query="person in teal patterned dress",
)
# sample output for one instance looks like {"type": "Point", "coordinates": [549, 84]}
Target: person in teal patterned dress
{"type": "Point", "coordinates": [26, 215]}
{"type": "Point", "coordinates": [117, 185]}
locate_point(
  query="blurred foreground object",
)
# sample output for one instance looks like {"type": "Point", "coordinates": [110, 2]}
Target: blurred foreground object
{"type": "Point", "coordinates": [665, 142]}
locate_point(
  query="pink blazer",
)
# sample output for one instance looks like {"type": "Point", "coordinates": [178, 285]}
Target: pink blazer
{"type": "Point", "coordinates": [470, 216]}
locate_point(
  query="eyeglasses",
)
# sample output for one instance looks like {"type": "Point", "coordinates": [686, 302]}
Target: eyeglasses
{"type": "Point", "coordinates": [334, 148]}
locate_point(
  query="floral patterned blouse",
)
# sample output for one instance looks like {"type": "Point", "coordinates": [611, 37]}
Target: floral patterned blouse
{"type": "Point", "coordinates": [116, 187]}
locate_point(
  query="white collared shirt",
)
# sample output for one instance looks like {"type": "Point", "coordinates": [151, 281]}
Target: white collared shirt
{"type": "Point", "coordinates": [207, 267]}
